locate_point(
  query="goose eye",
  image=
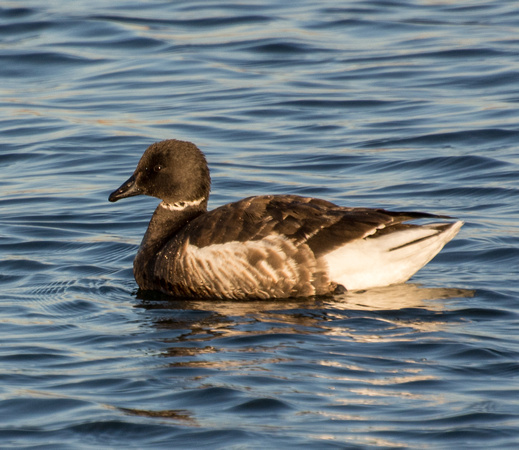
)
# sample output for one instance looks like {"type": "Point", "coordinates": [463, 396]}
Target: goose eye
{"type": "Point", "coordinates": [157, 168]}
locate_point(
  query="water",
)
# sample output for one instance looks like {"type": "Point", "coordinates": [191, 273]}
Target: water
{"type": "Point", "coordinates": [395, 104]}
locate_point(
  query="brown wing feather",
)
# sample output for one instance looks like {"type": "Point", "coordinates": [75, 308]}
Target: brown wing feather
{"type": "Point", "coordinates": [322, 225]}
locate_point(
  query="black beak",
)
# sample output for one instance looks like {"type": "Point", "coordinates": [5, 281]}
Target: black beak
{"type": "Point", "coordinates": [127, 189]}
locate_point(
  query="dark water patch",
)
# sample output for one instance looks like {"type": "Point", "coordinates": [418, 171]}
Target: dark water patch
{"type": "Point", "coordinates": [217, 438]}
{"type": "Point", "coordinates": [461, 53]}
{"type": "Point", "coordinates": [133, 43]}
{"type": "Point", "coordinates": [351, 22]}
{"type": "Point", "coordinates": [443, 164]}
{"type": "Point", "coordinates": [501, 78]}
{"type": "Point", "coordinates": [261, 406]}
{"type": "Point", "coordinates": [52, 127]}
{"type": "Point", "coordinates": [469, 54]}
{"type": "Point", "coordinates": [207, 396]}
{"type": "Point", "coordinates": [329, 103]}
{"type": "Point", "coordinates": [487, 369]}
{"type": "Point", "coordinates": [289, 48]}
{"type": "Point", "coordinates": [500, 255]}
{"type": "Point", "coordinates": [52, 409]}
{"type": "Point", "coordinates": [29, 359]}
{"type": "Point", "coordinates": [30, 27]}
{"type": "Point", "coordinates": [25, 265]}
{"type": "Point", "coordinates": [479, 354]}
{"type": "Point", "coordinates": [111, 431]}
{"type": "Point", "coordinates": [316, 162]}
{"type": "Point", "coordinates": [495, 194]}
{"type": "Point", "coordinates": [16, 12]}
{"type": "Point", "coordinates": [100, 383]}
{"type": "Point", "coordinates": [8, 159]}
{"type": "Point", "coordinates": [505, 176]}
{"type": "Point", "coordinates": [29, 247]}
{"type": "Point", "coordinates": [20, 65]}
{"type": "Point", "coordinates": [262, 339]}
{"type": "Point", "coordinates": [466, 137]}
{"type": "Point", "coordinates": [475, 314]}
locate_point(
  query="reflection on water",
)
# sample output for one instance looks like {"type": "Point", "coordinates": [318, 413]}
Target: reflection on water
{"type": "Point", "coordinates": [229, 344]}
{"type": "Point", "coordinates": [207, 319]}
{"type": "Point", "coordinates": [183, 416]}
{"type": "Point", "coordinates": [406, 295]}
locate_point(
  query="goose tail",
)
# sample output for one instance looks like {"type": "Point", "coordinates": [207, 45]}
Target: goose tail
{"type": "Point", "coordinates": [389, 258]}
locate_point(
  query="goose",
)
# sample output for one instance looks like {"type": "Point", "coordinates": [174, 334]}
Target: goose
{"type": "Point", "coordinates": [266, 246]}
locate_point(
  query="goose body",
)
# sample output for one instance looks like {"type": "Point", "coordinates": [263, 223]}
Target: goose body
{"type": "Point", "coordinates": [270, 246]}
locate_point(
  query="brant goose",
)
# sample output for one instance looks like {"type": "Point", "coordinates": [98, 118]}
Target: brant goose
{"type": "Point", "coordinates": [269, 246]}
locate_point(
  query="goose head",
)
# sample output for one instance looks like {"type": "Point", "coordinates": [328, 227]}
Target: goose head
{"type": "Point", "coordinates": [172, 170]}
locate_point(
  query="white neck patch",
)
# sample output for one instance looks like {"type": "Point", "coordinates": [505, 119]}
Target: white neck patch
{"type": "Point", "coordinates": [180, 206]}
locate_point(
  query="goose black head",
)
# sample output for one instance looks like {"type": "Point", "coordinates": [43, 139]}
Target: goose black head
{"type": "Point", "coordinates": [173, 171]}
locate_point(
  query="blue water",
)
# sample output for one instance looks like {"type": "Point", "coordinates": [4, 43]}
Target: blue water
{"type": "Point", "coordinates": [394, 104]}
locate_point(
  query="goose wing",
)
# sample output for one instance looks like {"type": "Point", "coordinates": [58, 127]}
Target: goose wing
{"type": "Point", "coordinates": [320, 224]}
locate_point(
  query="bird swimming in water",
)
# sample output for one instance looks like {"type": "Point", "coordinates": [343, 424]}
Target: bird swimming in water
{"type": "Point", "coordinates": [267, 246]}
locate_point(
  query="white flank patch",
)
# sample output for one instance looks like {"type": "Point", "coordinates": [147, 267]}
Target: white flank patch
{"type": "Point", "coordinates": [386, 260]}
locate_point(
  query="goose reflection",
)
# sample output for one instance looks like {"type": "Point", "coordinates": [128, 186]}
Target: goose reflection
{"type": "Point", "coordinates": [357, 349]}
{"type": "Point", "coordinates": [205, 320]}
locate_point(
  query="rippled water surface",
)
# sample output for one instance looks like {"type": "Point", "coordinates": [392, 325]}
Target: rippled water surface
{"type": "Point", "coordinates": [394, 104]}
